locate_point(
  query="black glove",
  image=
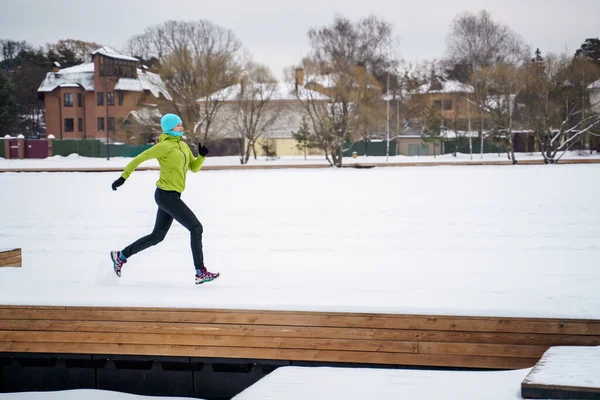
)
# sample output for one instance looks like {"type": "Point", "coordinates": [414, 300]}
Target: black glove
{"type": "Point", "coordinates": [202, 150]}
{"type": "Point", "coordinates": [118, 183]}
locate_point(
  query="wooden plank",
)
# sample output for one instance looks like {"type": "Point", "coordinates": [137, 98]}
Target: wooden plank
{"type": "Point", "coordinates": [10, 253]}
{"type": "Point", "coordinates": [478, 349]}
{"type": "Point", "coordinates": [10, 258]}
{"type": "Point", "coordinates": [216, 341]}
{"type": "Point", "coordinates": [274, 354]}
{"type": "Point", "coordinates": [316, 319]}
{"type": "Point", "coordinates": [298, 331]}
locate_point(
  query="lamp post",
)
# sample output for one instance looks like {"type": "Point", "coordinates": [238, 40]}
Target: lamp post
{"type": "Point", "coordinates": [106, 126]}
{"type": "Point", "coordinates": [387, 145]}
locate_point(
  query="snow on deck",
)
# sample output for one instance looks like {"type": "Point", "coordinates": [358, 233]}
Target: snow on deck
{"type": "Point", "coordinates": [494, 241]}
{"type": "Point", "coordinates": [301, 383]}
{"type": "Point", "coordinates": [567, 366]}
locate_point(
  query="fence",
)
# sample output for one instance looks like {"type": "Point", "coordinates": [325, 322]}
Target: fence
{"type": "Point", "coordinates": [42, 148]}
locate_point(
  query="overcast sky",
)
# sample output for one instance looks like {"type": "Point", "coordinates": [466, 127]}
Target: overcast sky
{"type": "Point", "coordinates": [275, 31]}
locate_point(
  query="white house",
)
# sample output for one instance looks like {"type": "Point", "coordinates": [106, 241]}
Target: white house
{"type": "Point", "coordinates": [281, 115]}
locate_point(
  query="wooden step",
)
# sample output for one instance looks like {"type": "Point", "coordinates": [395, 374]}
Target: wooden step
{"type": "Point", "coordinates": [565, 372]}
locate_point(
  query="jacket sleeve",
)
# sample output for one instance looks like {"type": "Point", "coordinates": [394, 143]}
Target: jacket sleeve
{"type": "Point", "coordinates": [155, 151]}
{"type": "Point", "coordinates": [196, 162]}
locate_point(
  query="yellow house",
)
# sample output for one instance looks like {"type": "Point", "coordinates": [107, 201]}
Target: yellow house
{"type": "Point", "coordinates": [452, 99]}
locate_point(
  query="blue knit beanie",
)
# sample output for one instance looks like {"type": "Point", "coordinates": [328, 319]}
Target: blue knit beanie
{"type": "Point", "coordinates": [168, 122]}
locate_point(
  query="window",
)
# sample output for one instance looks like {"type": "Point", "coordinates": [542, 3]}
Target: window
{"type": "Point", "coordinates": [110, 98]}
{"type": "Point", "coordinates": [437, 104]}
{"type": "Point", "coordinates": [80, 124]}
{"type": "Point", "coordinates": [68, 124]}
{"type": "Point", "coordinates": [448, 104]}
{"type": "Point", "coordinates": [111, 124]}
{"type": "Point", "coordinates": [120, 95]}
{"type": "Point", "coordinates": [68, 99]}
{"type": "Point", "coordinates": [100, 124]}
{"type": "Point", "coordinates": [117, 67]}
{"type": "Point", "coordinates": [79, 100]}
{"type": "Point", "coordinates": [100, 98]}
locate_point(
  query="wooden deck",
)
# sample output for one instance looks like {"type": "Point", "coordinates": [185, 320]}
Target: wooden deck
{"type": "Point", "coordinates": [418, 340]}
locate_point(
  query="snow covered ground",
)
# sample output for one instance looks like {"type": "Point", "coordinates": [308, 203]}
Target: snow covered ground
{"type": "Point", "coordinates": [493, 241]}
{"type": "Point", "coordinates": [302, 383]}
{"type": "Point", "coordinates": [79, 394]}
{"type": "Point", "coordinates": [76, 161]}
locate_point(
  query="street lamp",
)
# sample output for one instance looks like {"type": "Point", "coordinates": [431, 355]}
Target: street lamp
{"type": "Point", "coordinates": [106, 126]}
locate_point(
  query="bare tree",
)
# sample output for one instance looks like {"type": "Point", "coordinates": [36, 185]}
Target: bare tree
{"type": "Point", "coordinates": [564, 117]}
{"type": "Point", "coordinates": [344, 64]}
{"type": "Point", "coordinates": [503, 82]}
{"type": "Point", "coordinates": [197, 59]}
{"type": "Point", "coordinates": [254, 113]}
{"type": "Point", "coordinates": [73, 51]}
{"type": "Point", "coordinates": [476, 41]}
{"type": "Point", "coordinates": [558, 142]}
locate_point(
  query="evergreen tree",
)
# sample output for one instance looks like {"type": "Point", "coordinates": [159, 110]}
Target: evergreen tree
{"type": "Point", "coordinates": [432, 129]}
{"type": "Point", "coordinates": [8, 104]}
{"type": "Point", "coordinates": [590, 49]}
{"type": "Point", "coordinates": [302, 136]}
{"type": "Point", "coordinates": [538, 56]}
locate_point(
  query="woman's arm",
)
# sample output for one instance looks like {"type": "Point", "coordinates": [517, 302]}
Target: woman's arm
{"type": "Point", "coordinates": [155, 151]}
{"type": "Point", "coordinates": [196, 162]}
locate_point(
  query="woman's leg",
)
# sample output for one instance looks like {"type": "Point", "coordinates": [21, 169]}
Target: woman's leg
{"type": "Point", "coordinates": [161, 227]}
{"type": "Point", "coordinates": [171, 203]}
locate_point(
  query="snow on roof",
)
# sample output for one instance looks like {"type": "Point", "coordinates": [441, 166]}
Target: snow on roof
{"type": "Point", "coordinates": [145, 115]}
{"type": "Point", "coordinates": [445, 86]}
{"type": "Point", "coordinates": [335, 79]}
{"type": "Point", "coordinates": [280, 91]}
{"type": "Point", "coordinates": [594, 85]}
{"type": "Point", "coordinates": [83, 75]}
{"type": "Point", "coordinates": [493, 103]}
{"type": "Point", "coordinates": [79, 75]}
{"type": "Point", "coordinates": [112, 53]}
{"type": "Point", "coordinates": [145, 81]}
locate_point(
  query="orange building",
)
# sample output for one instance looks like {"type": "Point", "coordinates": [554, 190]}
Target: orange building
{"type": "Point", "coordinates": [88, 101]}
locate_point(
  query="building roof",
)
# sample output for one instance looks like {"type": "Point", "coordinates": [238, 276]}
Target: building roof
{"type": "Point", "coordinates": [83, 76]}
{"type": "Point", "coordinates": [594, 85]}
{"type": "Point", "coordinates": [282, 91]}
{"type": "Point", "coordinates": [147, 115]}
{"type": "Point", "coordinates": [441, 85]}
{"type": "Point", "coordinates": [112, 53]}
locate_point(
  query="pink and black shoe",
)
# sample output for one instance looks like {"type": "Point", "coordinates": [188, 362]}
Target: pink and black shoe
{"type": "Point", "coordinates": [118, 261]}
{"type": "Point", "coordinates": [205, 276]}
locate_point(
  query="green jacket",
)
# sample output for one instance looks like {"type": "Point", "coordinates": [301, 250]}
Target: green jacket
{"type": "Point", "coordinates": [174, 158]}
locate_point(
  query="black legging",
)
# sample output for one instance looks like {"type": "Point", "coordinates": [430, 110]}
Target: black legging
{"type": "Point", "coordinates": [170, 206]}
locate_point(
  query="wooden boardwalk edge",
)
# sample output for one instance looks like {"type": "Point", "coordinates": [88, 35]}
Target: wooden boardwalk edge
{"type": "Point", "coordinates": [419, 340]}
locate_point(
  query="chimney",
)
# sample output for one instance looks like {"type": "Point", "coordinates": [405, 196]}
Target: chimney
{"type": "Point", "coordinates": [299, 77]}
{"type": "Point", "coordinates": [55, 66]}
{"type": "Point", "coordinates": [243, 83]}
{"type": "Point", "coordinates": [361, 73]}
